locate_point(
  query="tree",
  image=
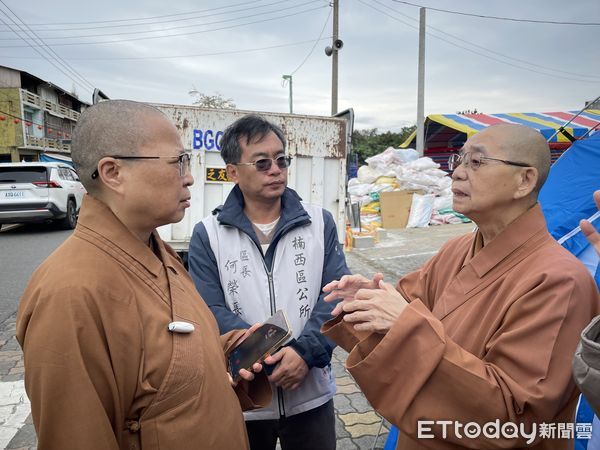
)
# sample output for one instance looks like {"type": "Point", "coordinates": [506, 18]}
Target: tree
{"type": "Point", "coordinates": [366, 143]}
{"type": "Point", "coordinates": [211, 101]}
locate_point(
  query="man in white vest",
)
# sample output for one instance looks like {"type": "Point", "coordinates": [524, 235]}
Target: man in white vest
{"type": "Point", "coordinates": [266, 250]}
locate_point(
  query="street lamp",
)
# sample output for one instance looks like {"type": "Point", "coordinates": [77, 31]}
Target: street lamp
{"type": "Point", "coordinates": [289, 78]}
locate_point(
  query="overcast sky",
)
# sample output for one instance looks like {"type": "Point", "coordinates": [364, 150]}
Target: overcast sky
{"type": "Point", "coordinates": [222, 46]}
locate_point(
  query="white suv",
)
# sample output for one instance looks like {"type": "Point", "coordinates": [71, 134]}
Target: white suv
{"type": "Point", "coordinates": [35, 192]}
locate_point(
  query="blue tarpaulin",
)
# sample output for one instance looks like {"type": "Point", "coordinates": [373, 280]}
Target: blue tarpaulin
{"type": "Point", "coordinates": [566, 198]}
{"type": "Point", "coordinates": [53, 157]}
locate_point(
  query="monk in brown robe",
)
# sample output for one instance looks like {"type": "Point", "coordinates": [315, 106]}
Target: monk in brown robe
{"type": "Point", "coordinates": [483, 334]}
{"type": "Point", "coordinates": [103, 369]}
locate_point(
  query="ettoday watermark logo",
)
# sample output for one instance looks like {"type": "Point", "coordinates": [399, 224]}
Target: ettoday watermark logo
{"type": "Point", "coordinates": [430, 429]}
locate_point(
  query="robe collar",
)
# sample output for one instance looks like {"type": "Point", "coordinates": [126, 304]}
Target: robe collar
{"type": "Point", "coordinates": [97, 219]}
{"type": "Point", "coordinates": [508, 248]}
{"type": "Point", "coordinates": [524, 228]}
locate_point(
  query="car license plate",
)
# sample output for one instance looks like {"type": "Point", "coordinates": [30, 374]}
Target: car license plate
{"type": "Point", "coordinates": [14, 194]}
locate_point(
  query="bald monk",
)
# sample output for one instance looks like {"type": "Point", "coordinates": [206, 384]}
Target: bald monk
{"type": "Point", "coordinates": [103, 370]}
{"type": "Point", "coordinates": [485, 331]}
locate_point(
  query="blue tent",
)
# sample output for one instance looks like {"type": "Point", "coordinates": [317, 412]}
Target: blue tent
{"type": "Point", "coordinates": [566, 198]}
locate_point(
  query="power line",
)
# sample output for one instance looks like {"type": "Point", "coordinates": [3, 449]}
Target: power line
{"type": "Point", "coordinates": [135, 58]}
{"type": "Point", "coordinates": [177, 34]}
{"type": "Point", "coordinates": [487, 49]}
{"type": "Point", "coordinates": [511, 19]}
{"type": "Point", "coordinates": [152, 17]}
{"type": "Point", "coordinates": [35, 48]}
{"type": "Point", "coordinates": [175, 27]}
{"type": "Point", "coordinates": [316, 42]}
{"type": "Point", "coordinates": [192, 13]}
{"type": "Point", "coordinates": [49, 51]}
{"type": "Point", "coordinates": [476, 52]}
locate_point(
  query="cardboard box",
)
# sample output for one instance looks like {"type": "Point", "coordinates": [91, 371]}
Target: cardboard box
{"type": "Point", "coordinates": [395, 208]}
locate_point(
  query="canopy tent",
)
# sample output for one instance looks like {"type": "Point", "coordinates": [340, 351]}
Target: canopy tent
{"type": "Point", "coordinates": [447, 132]}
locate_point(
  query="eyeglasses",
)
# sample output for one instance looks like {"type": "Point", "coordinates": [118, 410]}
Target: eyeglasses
{"type": "Point", "coordinates": [264, 164]}
{"type": "Point", "coordinates": [183, 160]}
{"type": "Point", "coordinates": [474, 161]}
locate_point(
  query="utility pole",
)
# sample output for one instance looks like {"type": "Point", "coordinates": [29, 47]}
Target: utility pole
{"type": "Point", "coordinates": [421, 86]}
{"type": "Point", "coordinates": [334, 60]}
{"type": "Point", "coordinates": [289, 79]}
{"type": "Point", "coordinates": [336, 46]}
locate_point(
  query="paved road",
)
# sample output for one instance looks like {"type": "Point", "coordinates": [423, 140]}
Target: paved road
{"type": "Point", "coordinates": [22, 249]}
{"type": "Point", "coordinates": [357, 425]}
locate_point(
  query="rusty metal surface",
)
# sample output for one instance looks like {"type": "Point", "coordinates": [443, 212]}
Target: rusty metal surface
{"type": "Point", "coordinates": [318, 171]}
{"type": "Point", "coordinates": [306, 135]}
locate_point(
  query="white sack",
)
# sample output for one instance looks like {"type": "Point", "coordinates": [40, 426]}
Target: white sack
{"type": "Point", "coordinates": [421, 210]}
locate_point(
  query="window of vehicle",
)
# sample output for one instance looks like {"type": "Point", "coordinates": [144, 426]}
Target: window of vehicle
{"type": "Point", "coordinates": [22, 174]}
{"type": "Point", "coordinates": [63, 174]}
{"type": "Point", "coordinates": [68, 174]}
{"type": "Point", "coordinates": [74, 175]}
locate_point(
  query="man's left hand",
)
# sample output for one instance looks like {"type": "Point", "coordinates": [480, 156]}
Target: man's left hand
{"type": "Point", "coordinates": [290, 370]}
{"type": "Point", "coordinates": [374, 310]}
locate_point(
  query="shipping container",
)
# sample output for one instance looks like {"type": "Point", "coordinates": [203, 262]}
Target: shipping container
{"type": "Point", "coordinates": [318, 146]}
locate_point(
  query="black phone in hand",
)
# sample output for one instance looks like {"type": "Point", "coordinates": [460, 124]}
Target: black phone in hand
{"type": "Point", "coordinates": [263, 342]}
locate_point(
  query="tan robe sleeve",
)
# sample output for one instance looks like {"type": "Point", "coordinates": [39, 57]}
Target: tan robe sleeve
{"type": "Point", "coordinates": [251, 394]}
{"type": "Point", "coordinates": [417, 372]}
{"type": "Point", "coordinates": [75, 401]}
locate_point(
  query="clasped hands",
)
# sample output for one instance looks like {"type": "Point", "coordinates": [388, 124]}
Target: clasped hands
{"type": "Point", "coordinates": [370, 305]}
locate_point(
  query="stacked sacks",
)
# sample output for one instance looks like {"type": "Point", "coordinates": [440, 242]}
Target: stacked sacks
{"type": "Point", "coordinates": [402, 169]}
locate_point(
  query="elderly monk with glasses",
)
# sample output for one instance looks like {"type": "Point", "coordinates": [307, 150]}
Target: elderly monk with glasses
{"type": "Point", "coordinates": [483, 335]}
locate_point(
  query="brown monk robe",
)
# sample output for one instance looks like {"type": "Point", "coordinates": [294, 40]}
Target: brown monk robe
{"type": "Point", "coordinates": [486, 330]}
{"type": "Point", "coordinates": [102, 369]}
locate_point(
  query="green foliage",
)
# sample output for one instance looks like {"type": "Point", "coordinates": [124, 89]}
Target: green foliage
{"type": "Point", "coordinates": [366, 143]}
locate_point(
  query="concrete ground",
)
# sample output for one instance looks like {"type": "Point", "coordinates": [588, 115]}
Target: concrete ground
{"type": "Point", "coordinates": [357, 425]}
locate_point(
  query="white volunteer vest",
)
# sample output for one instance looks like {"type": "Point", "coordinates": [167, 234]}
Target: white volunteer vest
{"type": "Point", "coordinates": [296, 276]}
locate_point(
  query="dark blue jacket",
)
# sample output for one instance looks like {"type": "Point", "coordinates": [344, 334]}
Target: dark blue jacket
{"type": "Point", "coordinates": [314, 348]}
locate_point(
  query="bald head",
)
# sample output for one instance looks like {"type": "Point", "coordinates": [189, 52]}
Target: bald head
{"type": "Point", "coordinates": [523, 144]}
{"type": "Point", "coordinates": [112, 127]}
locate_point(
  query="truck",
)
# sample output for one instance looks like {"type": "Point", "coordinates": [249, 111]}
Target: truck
{"type": "Point", "coordinates": [317, 144]}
